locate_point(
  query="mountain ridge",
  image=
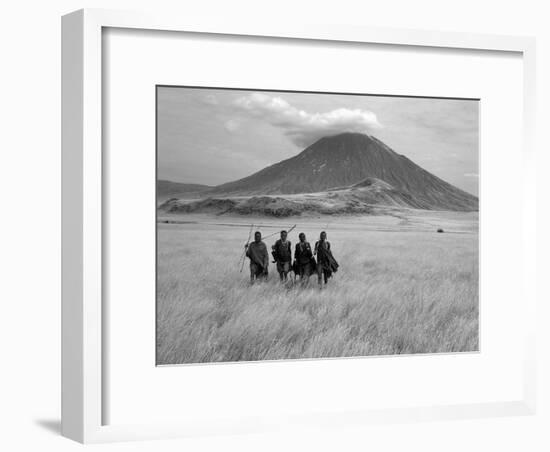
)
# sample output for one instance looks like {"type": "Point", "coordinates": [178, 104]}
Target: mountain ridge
{"type": "Point", "coordinates": [345, 159]}
{"type": "Point", "coordinates": [341, 163]}
{"type": "Point", "coordinates": [168, 189]}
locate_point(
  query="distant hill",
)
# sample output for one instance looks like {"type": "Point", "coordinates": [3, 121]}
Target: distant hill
{"type": "Point", "coordinates": [344, 160]}
{"type": "Point", "coordinates": [167, 189]}
{"type": "Point", "coordinates": [360, 198]}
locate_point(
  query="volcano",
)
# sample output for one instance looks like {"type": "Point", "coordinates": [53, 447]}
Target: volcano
{"type": "Point", "coordinates": [346, 160]}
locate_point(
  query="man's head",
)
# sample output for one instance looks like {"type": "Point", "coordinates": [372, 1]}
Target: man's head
{"type": "Point", "coordinates": [302, 237]}
{"type": "Point", "coordinates": [283, 235]}
{"type": "Point", "coordinates": [323, 235]}
{"type": "Point", "coordinates": [257, 236]}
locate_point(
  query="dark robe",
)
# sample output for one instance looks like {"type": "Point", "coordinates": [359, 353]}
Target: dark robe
{"type": "Point", "coordinates": [303, 253]}
{"type": "Point", "coordinates": [325, 259]}
{"type": "Point", "coordinates": [304, 260]}
{"type": "Point", "coordinates": [257, 253]}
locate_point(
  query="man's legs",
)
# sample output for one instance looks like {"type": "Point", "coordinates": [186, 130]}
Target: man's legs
{"type": "Point", "coordinates": [280, 270]}
{"type": "Point", "coordinates": [285, 271]}
{"type": "Point", "coordinates": [304, 274]}
{"type": "Point", "coordinates": [320, 275]}
{"type": "Point", "coordinates": [262, 274]}
{"type": "Point", "coordinates": [253, 272]}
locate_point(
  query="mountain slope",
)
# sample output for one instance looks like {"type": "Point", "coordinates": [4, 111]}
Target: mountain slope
{"type": "Point", "coordinates": [360, 198]}
{"type": "Point", "coordinates": [347, 159]}
{"type": "Point", "coordinates": [168, 189]}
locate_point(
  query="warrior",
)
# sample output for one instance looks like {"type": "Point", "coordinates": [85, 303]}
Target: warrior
{"type": "Point", "coordinates": [326, 264]}
{"type": "Point", "coordinates": [303, 259]}
{"type": "Point", "coordinates": [259, 259]}
{"type": "Point", "coordinates": [282, 253]}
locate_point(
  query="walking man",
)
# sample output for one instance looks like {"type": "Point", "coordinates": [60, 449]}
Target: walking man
{"type": "Point", "coordinates": [282, 253]}
{"type": "Point", "coordinates": [303, 259]}
{"type": "Point", "coordinates": [259, 259]}
{"type": "Point", "coordinates": [326, 264]}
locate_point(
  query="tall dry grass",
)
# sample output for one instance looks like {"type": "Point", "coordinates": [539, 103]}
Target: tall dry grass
{"type": "Point", "coordinates": [397, 292]}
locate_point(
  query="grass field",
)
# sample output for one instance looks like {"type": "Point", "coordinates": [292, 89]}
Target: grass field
{"type": "Point", "coordinates": [402, 288]}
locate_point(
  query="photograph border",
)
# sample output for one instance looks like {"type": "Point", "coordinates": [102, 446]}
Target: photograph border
{"type": "Point", "coordinates": [83, 198]}
{"type": "Point", "coordinates": [267, 90]}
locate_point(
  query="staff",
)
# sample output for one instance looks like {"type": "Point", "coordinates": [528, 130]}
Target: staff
{"type": "Point", "coordinates": [243, 256]}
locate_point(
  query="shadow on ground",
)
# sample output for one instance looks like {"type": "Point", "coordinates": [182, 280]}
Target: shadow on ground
{"type": "Point", "coordinates": [51, 425]}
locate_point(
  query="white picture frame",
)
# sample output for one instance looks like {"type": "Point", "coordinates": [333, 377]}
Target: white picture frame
{"type": "Point", "coordinates": [82, 205]}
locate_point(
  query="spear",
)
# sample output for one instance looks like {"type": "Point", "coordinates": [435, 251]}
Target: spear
{"type": "Point", "coordinates": [243, 256]}
{"type": "Point", "coordinates": [275, 233]}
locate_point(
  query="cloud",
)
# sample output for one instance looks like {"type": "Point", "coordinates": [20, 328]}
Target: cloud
{"type": "Point", "coordinates": [304, 128]}
{"type": "Point", "coordinates": [471, 174]}
{"type": "Point", "coordinates": [232, 125]}
{"type": "Point", "coordinates": [210, 99]}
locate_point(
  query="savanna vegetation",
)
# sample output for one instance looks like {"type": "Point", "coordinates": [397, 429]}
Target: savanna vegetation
{"type": "Point", "coordinates": [402, 288]}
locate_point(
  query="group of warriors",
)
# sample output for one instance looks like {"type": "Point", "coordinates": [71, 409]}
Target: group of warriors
{"type": "Point", "coordinates": [304, 264]}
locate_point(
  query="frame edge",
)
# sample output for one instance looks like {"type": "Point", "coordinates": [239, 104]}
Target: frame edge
{"type": "Point", "coordinates": [81, 359]}
{"type": "Point", "coordinates": [72, 369]}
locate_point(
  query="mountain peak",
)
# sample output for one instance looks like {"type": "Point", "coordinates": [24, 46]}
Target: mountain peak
{"type": "Point", "coordinates": [347, 145]}
{"type": "Point", "coordinates": [345, 137]}
{"type": "Point", "coordinates": [346, 159]}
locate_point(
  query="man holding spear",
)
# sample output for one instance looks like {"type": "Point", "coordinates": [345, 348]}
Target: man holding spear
{"type": "Point", "coordinates": [259, 259]}
{"type": "Point", "coordinates": [282, 253]}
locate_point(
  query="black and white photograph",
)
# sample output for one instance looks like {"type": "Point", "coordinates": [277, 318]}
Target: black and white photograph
{"type": "Point", "coordinates": [308, 225]}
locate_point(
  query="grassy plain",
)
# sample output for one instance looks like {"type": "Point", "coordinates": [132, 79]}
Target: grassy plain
{"type": "Point", "coordinates": [402, 288]}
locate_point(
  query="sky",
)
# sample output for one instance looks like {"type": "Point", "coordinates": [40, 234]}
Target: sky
{"type": "Point", "coordinates": [212, 136]}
